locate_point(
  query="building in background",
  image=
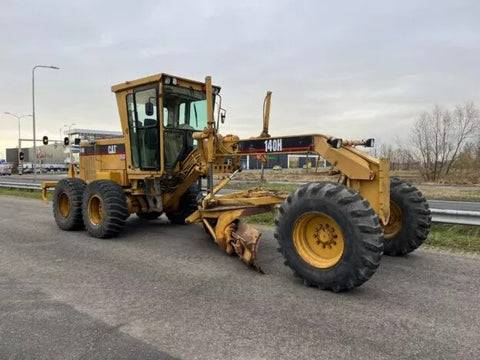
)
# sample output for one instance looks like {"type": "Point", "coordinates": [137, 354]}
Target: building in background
{"type": "Point", "coordinates": [51, 153]}
{"type": "Point", "coordinates": [286, 161]}
{"type": "Point", "coordinates": [73, 149]}
{"type": "Point", "coordinates": [56, 152]}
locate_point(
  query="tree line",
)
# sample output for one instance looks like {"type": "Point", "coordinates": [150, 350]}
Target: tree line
{"type": "Point", "coordinates": [441, 143]}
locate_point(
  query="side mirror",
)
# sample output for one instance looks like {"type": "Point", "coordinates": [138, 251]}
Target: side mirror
{"type": "Point", "coordinates": [66, 141]}
{"type": "Point", "coordinates": [149, 109]}
{"type": "Point", "coordinates": [223, 115]}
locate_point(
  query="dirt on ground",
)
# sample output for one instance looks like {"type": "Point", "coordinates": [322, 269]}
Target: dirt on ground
{"type": "Point", "coordinates": [309, 175]}
{"type": "Point", "coordinates": [439, 191]}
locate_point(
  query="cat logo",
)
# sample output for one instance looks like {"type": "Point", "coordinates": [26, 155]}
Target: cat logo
{"type": "Point", "coordinates": [112, 149]}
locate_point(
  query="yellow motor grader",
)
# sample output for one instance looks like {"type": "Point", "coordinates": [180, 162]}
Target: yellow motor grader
{"type": "Point", "coordinates": [331, 234]}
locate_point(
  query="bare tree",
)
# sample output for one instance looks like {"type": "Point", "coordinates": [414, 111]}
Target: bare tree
{"type": "Point", "coordinates": [477, 150]}
{"type": "Point", "coordinates": [466, 122]}
{"type": "Point", "coordinates": [429, 138]}
{"type": "Point", "coordinates": [438, 137]}
{"type": "Point", "coordinates": [400, 156]}
{"type": "Point", "coordinates": [466, 158]}
{"type": "Point", "coordinates": [405, 156]}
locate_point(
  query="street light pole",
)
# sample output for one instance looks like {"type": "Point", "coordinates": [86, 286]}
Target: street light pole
{"type": "Point", "coordinates": [33, 116]}
{"type": "Point", "coordinates": [20, 162]}
{"type": "Point", "coordinates": [69, 128]}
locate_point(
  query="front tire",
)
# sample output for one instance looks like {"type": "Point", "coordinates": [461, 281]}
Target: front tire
{"type": "Point", "coordinates": [188, 204]}
{"type": "Point", "coordinates": [104, 208]}
{"type": "Point", "coordinates": [410, 219]}
{"type": "Point", "coordinates": [329, 236]}
{"type": "Point", "coordinates": [67, 204]}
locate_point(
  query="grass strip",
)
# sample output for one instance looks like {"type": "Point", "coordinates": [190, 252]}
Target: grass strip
{"type": "Point", "coordinates": [450, 194]}
{"type": "Point", "coordinates": [431, 193]}
{"type": "Point", "coordinates": [457, 238]}
{"type": "Point", "coordinates": [23, 193]}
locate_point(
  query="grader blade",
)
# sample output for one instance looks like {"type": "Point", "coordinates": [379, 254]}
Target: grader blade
{"type": "Point", "coordinates": [245, 240]}
{"type": "Point", "coordinates": [221, 215]}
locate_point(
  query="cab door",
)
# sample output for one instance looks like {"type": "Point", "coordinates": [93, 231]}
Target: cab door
{"type": "Point", "coordinates": [144, 129]}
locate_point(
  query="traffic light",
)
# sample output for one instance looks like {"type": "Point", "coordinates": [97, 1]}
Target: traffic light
{"type": "Point", "coordinates": [66, 141]}
{"type": "Point", "coordinates": [45, 140]}
{"type": "Point", "coordinates": [21, 155]}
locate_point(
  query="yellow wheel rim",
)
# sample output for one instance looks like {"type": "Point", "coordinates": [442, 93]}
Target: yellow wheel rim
{"type": "Point", "coordinates": [318, 240]}
{"type": "Point", "coordinates": [394, 223]}
{"type": "Point", "coordinates": [63, 205]}
{"type": "Point", "coordinates": [95, 210]}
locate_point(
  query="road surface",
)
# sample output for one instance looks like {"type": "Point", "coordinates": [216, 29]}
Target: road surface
{"type": "Point", "coordinates": [161, 291]}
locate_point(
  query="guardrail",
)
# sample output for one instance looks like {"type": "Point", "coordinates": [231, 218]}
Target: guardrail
{"type": "Point", "coordinates": [459, 217]}
{"type": "Point", "coordinates": [17, 185]}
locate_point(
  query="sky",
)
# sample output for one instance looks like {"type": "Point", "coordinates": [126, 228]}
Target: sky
{"type": "Point", "coordinates": [351, 69]}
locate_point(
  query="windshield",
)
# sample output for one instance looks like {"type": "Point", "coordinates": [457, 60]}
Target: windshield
{"type": "Point", "coordinates": [184, 108]}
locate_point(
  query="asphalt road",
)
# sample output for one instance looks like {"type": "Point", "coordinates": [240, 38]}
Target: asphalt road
{"type": "Point", "coordinates": [161, 291]}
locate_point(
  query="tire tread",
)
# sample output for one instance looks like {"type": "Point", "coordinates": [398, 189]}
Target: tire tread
{"type": "Point", "coordinates": [362, 217]}
{"type": "Point", "coordinates": [417, 219]}
{"type": "Point", "coordinates": [74, 189]}
{"type": "Point", "coordinates": [115, 208]}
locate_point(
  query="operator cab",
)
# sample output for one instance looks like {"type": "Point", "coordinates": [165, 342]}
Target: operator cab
{"type": "Point", "coordinates": [162, 116]}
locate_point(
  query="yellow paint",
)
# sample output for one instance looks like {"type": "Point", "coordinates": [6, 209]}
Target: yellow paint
{"type": "Point", "coordinates": [318, 240]}
{"type": "Point", "coordinates": [95, 210]}
{"type": "Point", "coordinates": [45, 186]}
{"type": "Point", "coordinates": [394, 225]}
{"type": "Point", "coordinates": [64, 205]}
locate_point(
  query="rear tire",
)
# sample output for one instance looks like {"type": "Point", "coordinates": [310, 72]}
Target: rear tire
{"type": "Point", "coordinates": [410, 219]}
{"type": "Point", "coordinates": [188, 204]}
{"type": "Point", "coordinates": [104, 208]}
{"type": "Point", "coordinates": [329, 236]}
{"type": "Point", "coordinates": [67, 204]}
